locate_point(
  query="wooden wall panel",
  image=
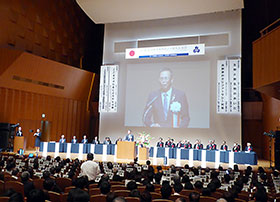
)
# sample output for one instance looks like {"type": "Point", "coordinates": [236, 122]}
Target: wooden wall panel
{"type": "Point", "coordinates": [266, 51]}
{"type": "Point", "coordinates": [67, 116]}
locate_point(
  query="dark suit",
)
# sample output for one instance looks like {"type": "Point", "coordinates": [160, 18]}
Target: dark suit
{"type": "Point", "coordinates": [198, 146]}
{"type": "Point", "coordinates": [28, 186]}
{"type": "Point", "coordinates": [19, 133]}
{"type": "Point", "coordinates": [180, 145]}
{"type": "Point", "coordinates": [62, 140]}
{"type": "Point", "coordinates": [74, 141]}
{"type": "Point", "coordinates": [188, 146]}
{"type": "Point", "coordinates": [95, 142]}
{"type": "Point", "coordinates": [160, 144]}
{"type": "Point", "coordinates": [167, 143]}
{"type": "Point", "coordinates": [107, 142]}
{"type": "Point", "coordinates": [129, 137]}
{"type": "Point", "coordinates": [236, 148]}
{"type": "Point", "coordinates": [84, 141]}
{"type": "Point", "coordinates": [154, 112]}
{"type": "Point", "coordinates": [249, 149]}
{"type": "Point", "coordinates": [224, 147]}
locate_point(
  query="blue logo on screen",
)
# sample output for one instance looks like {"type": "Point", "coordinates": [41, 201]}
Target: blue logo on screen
{"type": "Point", "coordinates": [196, 50]}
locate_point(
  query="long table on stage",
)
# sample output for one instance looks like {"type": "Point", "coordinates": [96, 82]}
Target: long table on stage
{"type": "Point", "coordinates": [156, 152]}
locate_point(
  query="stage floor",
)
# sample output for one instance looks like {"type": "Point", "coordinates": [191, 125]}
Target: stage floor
{"type": "Point", "coordinates": [159, 161]}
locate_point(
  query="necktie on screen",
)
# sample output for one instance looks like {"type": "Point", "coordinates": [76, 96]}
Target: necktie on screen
{"type": "Point", "coordinates": [165, 105]}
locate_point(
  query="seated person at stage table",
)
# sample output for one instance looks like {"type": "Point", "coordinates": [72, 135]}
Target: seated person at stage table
{"type": "Point", "coordinates": [119, 139]}
{"type": "Point", "coordinates": [249, 147]}
{"type": "Point", "coordinates": [236, 147]}
{"type": "Point", "coordinates": [19, 132]}
{"type": "Point", "coordinates": [84, 140]}
{"type": "Point", "coordinates": [160, 143]}
{"type": "Point", "coordinates": [172, 144]}
{"type": "Point", "coordinates": [214, 146]}
{"type": "Point", "coordinates": [209, 145]}
{"type": "Point", "coordinates": [129, 137]}
{"type": "Point", "coordinates": [163, 104]}
{"type": "Point", "coordinates": [168, 142]}
{"type": "Point", "coordinates": [95, 140]}
{"type": "Point", "coordinates": [62, 139]}
{"type": "Point", "coordinates": [180, 144]}
{"type": "Point", "coordinates": [107, 141]}
{"type": "Point", "coordinates": [74, 140]}
{"type": "Point", "coordinates": [188, 145]}
{"type": "Point", "coordinates": [198, 145]}
{"type": "Point", "coordinates": [224, 146]}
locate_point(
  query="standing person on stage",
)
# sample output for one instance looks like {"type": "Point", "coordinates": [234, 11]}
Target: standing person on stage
{"type": "Point", "coordinates": [19, 132]}
{"type": "Point", "coordinates": [37, 140]}
{"type": "Point", "coordinates": [198, 145]}
{"type": "Point", "coordinates": [107, 141]}
{"type": "Point", "coordinates": [224, 146]}
{"type": "Point", "coordinates": [160, 143]}
{"type": "Point", "coordinates": [188, 145]}
{"type": "Point", "coordinates": [180, 144]}
{"type": "Point", "coordinates": [74, 140]}
{"type": "Point", "coordinates": [236, 147]}
{"type": "Point", "coordinates": [95, 140]}
{"type": "Point", "coordinates": [214, 146]}
{"type": "Point", "coordinates": [168, 142]}
{"type": "Point", "coordinates": [129, 137]}
{"type": "Point", "coordinates": [84, 140]}
{"type": "Point", "coordinates": [90, 168]}
{"type": "Point", "coordinates": [62, 139]}
{"type": "Point", "coordinates": [249, 147]}
{"type": "Point", "coordinates": [166, 107]}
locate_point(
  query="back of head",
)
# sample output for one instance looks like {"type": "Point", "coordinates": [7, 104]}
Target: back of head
{"type": "Point", "coordinates": [206, 192]}
{"type": "Point", "coordinates": [189, 186]}
{"type": "Point", "coordinates": [46, 174]}
{"type": "Point", "coordinates": [150, 187]}
{"type": "Point", "coordinates": [36, 195]}
{"type": "Point", "coordinates": [110, 196]}
{"type": "Point", "coordinates": [105, 187]}
{"type": "Point", "coordinates": [89, 156]}
{"type": "Point", "coordinates": [135, 193]}
{"type": "Point", "coordinates": [194, 196]}
{"type": "Point", "coordinates": [211, 186]}
{"type": "Point", "coordinates": [131, 185]}
{"type": "Point", "coordinates": [146, 196]}
{"type": "Point", "coordinates": [48, 184]}
{"type": "Point", "coordinates": [178, 187]}
{"type": "Point", "coordinates": [25, 176]}
{"type": "Point", "coordinates": [166, 191]}
{"type": "Point", "coordinates": [198, 185]}
{"type": "Point", "coordinates": [180, 199]}
{"type": "Point", "coordinates": [119, 199]}
{"type": "Point", "coordinates": [77, 195]}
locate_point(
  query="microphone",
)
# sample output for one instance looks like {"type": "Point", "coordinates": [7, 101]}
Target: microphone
{"type": "Point", "coordinates": [148, 108]}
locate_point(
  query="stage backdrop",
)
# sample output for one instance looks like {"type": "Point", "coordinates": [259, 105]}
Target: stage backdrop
{"type": "Point", "coordinates": [194, 76]}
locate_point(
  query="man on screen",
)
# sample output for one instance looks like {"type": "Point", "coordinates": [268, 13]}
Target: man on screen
{"type": "Point", "coordinates": [166, 107]}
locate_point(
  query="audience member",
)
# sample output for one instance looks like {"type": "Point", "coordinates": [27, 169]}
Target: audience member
{"type": "Point", "coordinates": [90, 168]}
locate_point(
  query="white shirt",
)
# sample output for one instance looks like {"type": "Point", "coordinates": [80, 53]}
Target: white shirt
{"type": "Point", "coordinates": [90, 169]}
{"type": "Point", "coordinates": [168, 97]}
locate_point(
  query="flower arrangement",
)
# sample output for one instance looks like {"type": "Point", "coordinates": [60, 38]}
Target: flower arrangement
{"type": "Point", "coordinates": [143, 139]}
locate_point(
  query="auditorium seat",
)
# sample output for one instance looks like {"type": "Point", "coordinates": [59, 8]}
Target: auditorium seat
{"type": "Point", "coordinates": [99, 198]}
{"type": "Point", "coordinates": [155, 195]}
{"type": "Point", "coordinates": [239, 200]}
{"type": "Point", "coordinates": [2, 187]}
{"type": "Point", "coordinates": [161, 200]}
{"type": "Point", "coordinates": [123, 193]}
{"type": "Point", "coordinates": [118, 187]}
{"type": "Point", "coordinates": [64, 197]}
{"type": "Point", "coordinates": [132, 199]}
{"type": "Point", "coordinates": [4, 199]}
{"type": "Point", "coordinates": [186, 192]}
{"type": "Point", "coordinates": [207, 199]}
{"type": "Point", "coordinates": [67, 189]}
{"type": "Point", "coordinates": [174, 197]}
{"type": "Point", "coordinates": [93, 186]}
{"type": "Point", "coordinates": [94, 191]}
{"type": "Point", "coordinates": [243, 196]}
{"type": "Point", "coordinates": [15, 185]}
{"type": "Point", "coordinates": [116, 183]}
{"type": "Point", "coordinates": [217, 194]}
{"type": "Point", "coordinates": [63, 182]}
{"type": "Point", "coordinates": [141, 188]}
{"type": "Point", "coordinates": [38, 183]}
{"type": "Point", "coordinates": [157, 190]}
{"type": "Point", "coordinates": [54, 197]}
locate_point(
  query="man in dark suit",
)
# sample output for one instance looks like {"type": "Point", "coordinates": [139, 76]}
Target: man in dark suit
{"type": "Point", "coordinates": [62, 139]}
{"type": "Point", "coordinates": [209, 145]}
{"type": "Point", "coordinates": [249, 147]}
{"type": "Point", "coordinates": [166, 107]}
{"type": "Point", "coordinates": [188, 145]}
{"type": "Point", "coordinates": [84, 140]}
{"type": "Point", "coordinates": [107, 141]}
{"type": "Point", "coordinates": [160, 143]}
{"type": "Point", "coordinates": [168, 142]}
{"type": "Point", "coordinates": [129, 137]}
{"type": "Point", "coordinates": [213, 146]}
{"type": "Point", "coordinates": [180, 144]}
{"type": "Point", "coordinates": [236, 147]}
{"type": "Point", "coordinates": [224, 146]}
{"type": "Point", "coordinates": [19, 132]}
{"type": "Point", "coordinates": [95, 140]}
{"type": "Point", "coordinates": [74, 140]}
{"type": "Point", "coordinates": [198, 145]}
{"type": "Point", "coordinates": [28, 186]}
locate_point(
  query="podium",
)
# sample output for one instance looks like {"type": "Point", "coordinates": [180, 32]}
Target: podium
{"type": "Point", "coordinates": [126, 150]}
{"type": "Point", "coordinates": [18, 143]}
{"type": "Point", "coordinates": [143, 154]}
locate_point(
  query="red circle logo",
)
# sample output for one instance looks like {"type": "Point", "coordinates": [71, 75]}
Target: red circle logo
{"type": "Point", "coordinates": [132, 53]}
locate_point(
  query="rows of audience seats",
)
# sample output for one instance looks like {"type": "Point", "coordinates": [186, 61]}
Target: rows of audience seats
{"type": "Point", "coordinates": [54, 179]}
